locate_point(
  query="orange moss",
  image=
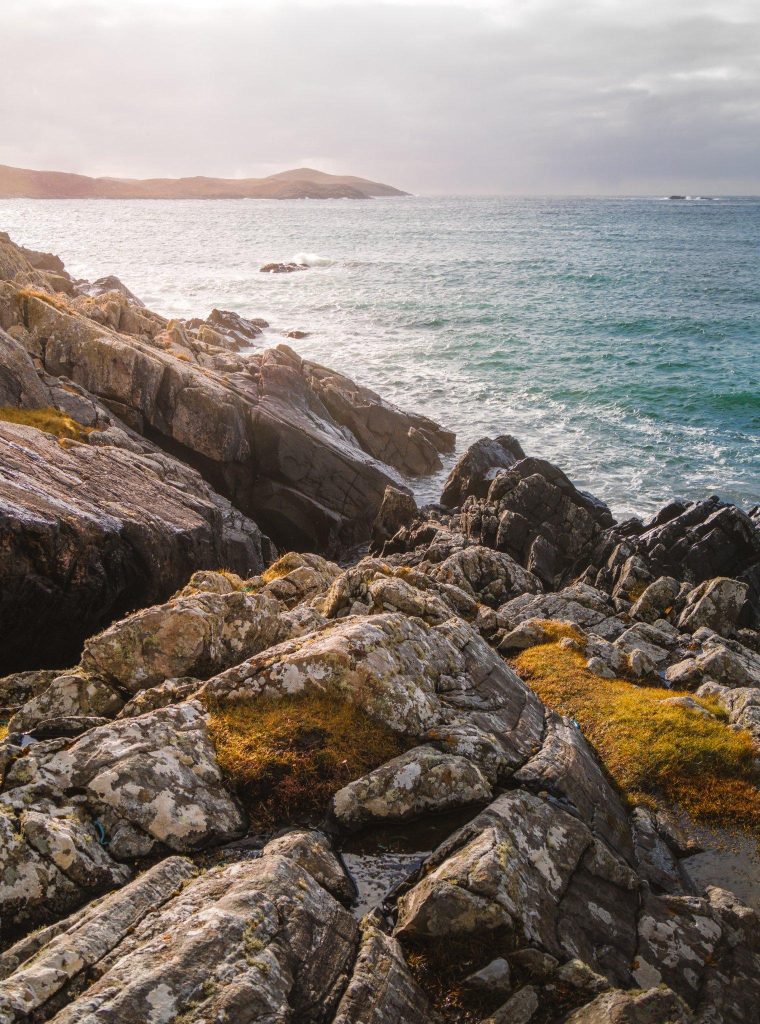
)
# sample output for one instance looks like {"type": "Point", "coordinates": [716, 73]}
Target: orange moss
{"type": "Point", "coordinates": [287, 756]}
{"type": "Point", "coordinates": [651, 749]}
{"type": "Point", "coordinates": [51, 421]}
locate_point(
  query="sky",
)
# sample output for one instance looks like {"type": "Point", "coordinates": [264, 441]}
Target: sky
{"type": "Point", "coordinates": [433, 96]}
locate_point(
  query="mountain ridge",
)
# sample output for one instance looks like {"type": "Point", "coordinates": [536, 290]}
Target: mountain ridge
{"type": "Point", "coordinates": [298, 183]}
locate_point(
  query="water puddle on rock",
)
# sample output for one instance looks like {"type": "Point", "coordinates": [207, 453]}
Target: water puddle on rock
{"type": "Point", "coordinates": [728, 861]}
{"type": "Point", "coordinates": [381, 857]}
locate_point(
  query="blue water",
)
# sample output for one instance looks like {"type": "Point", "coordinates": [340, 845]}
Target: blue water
{"type": "Point", "coordinates": [619, 338]}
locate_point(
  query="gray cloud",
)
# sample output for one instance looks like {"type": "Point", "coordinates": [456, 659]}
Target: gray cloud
{"type": "Point", "coordinates": [501, 96]}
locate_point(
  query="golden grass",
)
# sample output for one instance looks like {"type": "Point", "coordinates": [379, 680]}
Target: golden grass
{"type": "Point", "coordinates": [286, 756]}
{"type": "Point", "coordinates": [653, 751]}
{"type": "Point", "coordinates": [33, 293]}
{"type": "Point", "coordinates": [285, 563]}
{"type": "Point", "coordinates": [50, 420]}
{"type": "Point", "coordinates": [3, 731]}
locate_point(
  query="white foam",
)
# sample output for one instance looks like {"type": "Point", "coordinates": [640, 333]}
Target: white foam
{"type": "Point", "coordinates": [311, 259]}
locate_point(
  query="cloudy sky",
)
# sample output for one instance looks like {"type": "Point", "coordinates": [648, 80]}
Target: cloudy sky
{"type": "Point", "coordinates": [437, 96]}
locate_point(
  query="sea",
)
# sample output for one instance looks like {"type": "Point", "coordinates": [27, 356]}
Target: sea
{"type": "Point", "coordinates": [617, 337]}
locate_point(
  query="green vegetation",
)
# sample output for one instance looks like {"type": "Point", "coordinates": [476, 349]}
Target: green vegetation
{"type": "Point", "coordinates": [286, 756]}
{"type": "Point", "coordinates": [652, 750]}
{"type": "Point", "coordinates": [50, 420]}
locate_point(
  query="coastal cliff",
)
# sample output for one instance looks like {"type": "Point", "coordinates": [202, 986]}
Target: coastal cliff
{"type": "Point", "coordinates": [249, 777]}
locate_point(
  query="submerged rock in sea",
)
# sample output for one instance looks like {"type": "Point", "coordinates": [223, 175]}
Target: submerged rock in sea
{"type": "Point", "coordinates": [283, 268]}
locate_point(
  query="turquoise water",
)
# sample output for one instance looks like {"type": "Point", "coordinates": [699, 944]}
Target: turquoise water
{"type": "Point", "coordinates": [619, 338]}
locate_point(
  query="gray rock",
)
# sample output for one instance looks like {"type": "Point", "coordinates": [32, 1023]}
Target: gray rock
{"type": "Point", "coordinates": [657, 600]}
{"type": "Point", "coordinates": [196, 635]}
{"type": "Point", "coordinates": [655, 1006]}
{"type": "Point", "coordinates": [566, 767]}
{"type": "Point", "coordinates": [253, 942]}
{"type": "Point", "coordinates": [478, 467]}
{"type": "Point", "coordinates": [539, 965]}
{"type": "Point", "coordinates": [158, 772]}
{"type": "Point", "coordinates": [441, 684]}
{"type": "Point", "coordinates": [417, 782]}
{"type": "Point", "coordinates": [20, 386]}
{"type": "Point", "coordinates": [716, 604]}
{"type": "Point", "coordinates": [312, 852]}
{"type": "Point", "coordinates": [32, 888]}
{"type": "Point", "coordinates": [90, 937]}
{"type": "Point", "coordinates": [492, 577]}
{"type": "Point", "coordinates": [704, 948]}
{"type": "Point", "coordinates": [527, 865]}
{"type": "Point", "coordinates": [172, 691]}
{"type": "Point", "coordinates": [381, 988]}
{"type": "Point", "coordinates": [72, 844]}
{"type": "Point", "coordinates": [397, 509]}
{"type": "Point", "coordinates": [495, 977]}
{"type": "Point", "coordinates": [87, 529]}
{"type": "Point", "coordinates": [68, 695]}
{"type": "Point", "coordinates": [519, 1009]}
{"type": "Point", "coordinates": [655, 861]}
{"type": "Point", "coordinates": [578, 975]}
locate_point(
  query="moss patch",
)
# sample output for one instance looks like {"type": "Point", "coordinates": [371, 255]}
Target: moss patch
{"type": "Point", "coordinates": [34, 293]}
{"type": "Point", "coordinates": [50, 420]}
{"type": "Point", "coordinates": [287, 756]}
{"type": "Point", "coordinates": [652, 750]}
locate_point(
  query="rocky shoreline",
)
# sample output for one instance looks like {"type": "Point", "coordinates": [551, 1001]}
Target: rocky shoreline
{"type": "Point", "coordinates": [217, 719]}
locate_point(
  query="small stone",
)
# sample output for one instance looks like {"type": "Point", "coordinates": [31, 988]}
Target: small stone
{"type": "Point", "coordinates": [495, 977]}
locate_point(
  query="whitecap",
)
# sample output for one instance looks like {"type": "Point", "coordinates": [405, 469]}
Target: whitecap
{"type": "Point", "coordinates": [311, 259]}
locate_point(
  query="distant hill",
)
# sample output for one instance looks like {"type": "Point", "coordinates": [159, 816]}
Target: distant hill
{"type": "Point", "coordinates": [302, 183]}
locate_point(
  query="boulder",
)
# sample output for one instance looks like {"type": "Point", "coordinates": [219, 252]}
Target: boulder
{"type": "Point", "coordinates": [198, 635]}
{"type": "Point", "coordinates": [567, 769]}
{"type": "Point", "coordinates": [282, 268]}
{"type": "Point", "coordinates": [32, 888]}
{"type": "Point", "coordinates": [655, 1006]}
{"type": "Point", "coordinates": [158, 772]}
{"type": "Point", "coordinates": [657, 600]}
{"type": "Point", "coordinates": [526, 865]}
{"type": "Point", "coordinates": [476, 470]}
{"type": "Point", "coordinates": [495, 977]}
{"type": "Point", "coordinates": [440, 685]}
{"type": "Point", "coordinates": [518, 1009]}
{"type": "Point", "coordinates": [409, 442]}
{"type": "Point", "coordinates": [312, 852]}
{"type": "Point", "coordinates": [381, 987]}
{"type": "Point", "coordinates": [715, 604]}
{"type": "Point", "coordinates": [36, 969]}
{"type": "Point", "coordinates": [398, 509]}
{"type": "Point", "coordinates": [88, 532]}
{"type": "Point", "coordinates": [252, 941]}
{"type": "Point", "coordinates": [103, 285]}
{"type": "Point", "coordinates": [534, 513]}
{"type": "Point", "coordinates": [563, 607]}
{"type": "Point", "coordinates": [491, 577]}
{"type": "Point", "coordinates": [72, 844]}
{"type": "Point", "coordinates": [20, 386]}
{"type": "Point", "coordinates": [67, 696]}
{"type": "Point", "coordinates": [413, 784]}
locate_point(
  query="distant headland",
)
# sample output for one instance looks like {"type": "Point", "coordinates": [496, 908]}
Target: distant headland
{"type": "Point", "coordinates": [301, 183]}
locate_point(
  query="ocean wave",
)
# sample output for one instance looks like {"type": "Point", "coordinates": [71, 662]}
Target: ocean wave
{"type": "Point", "coordinates": [311, 259]}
